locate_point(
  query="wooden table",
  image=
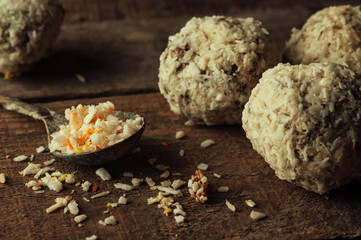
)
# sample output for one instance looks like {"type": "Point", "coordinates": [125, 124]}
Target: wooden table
{"type": "Point", "coordinates": [115, 45]}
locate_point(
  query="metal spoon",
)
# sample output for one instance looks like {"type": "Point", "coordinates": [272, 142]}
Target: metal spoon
{"type": "Point", "coordinates": [53, 121]}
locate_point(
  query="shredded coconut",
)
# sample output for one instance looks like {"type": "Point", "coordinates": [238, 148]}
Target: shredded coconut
{"type": "Point", "coordinates": [230, 206]}
{"type": "Point", "coordinates": [20, 158]}
{"type": "Point", "coordinates": [60, 202]}
{"type": "Point", "coordinates": [80, 218]}
{"type": "Point", "coordinates": [92, 128]}
{"type": "Point", "coordinates": [2, 178]}
{"type": "Point", "coordinates": [250, 203]}
{"type": "Point", "coordinates": [102, 194]}
{"type": "Point", "coordinates": [49, 162]}
{"type": "Point", "coordinates": [103, 174]}
{"type": "Point", "coordinates": [150, 182]}
{"type": "Point", "coordinates": [165, 174]}
{"type": "Point", "coordinates": [257, 215]}
{"type": "Point", "coordinates": [207, 143]}
{"type": "Point", "coordinates": [122, 200]}
{"type": "Point", "coordinates": [179, 135]}
{"type": "Point", "coordinates": [40, 149]}
{"type": "Point", "coordinates": [123, 186]}
{"type": "Point", "coordinates": [108, 221]}
{"type": "Point", "coordinates": [86, 185]}
{"type": "Point", "coordinates": [202, 166]}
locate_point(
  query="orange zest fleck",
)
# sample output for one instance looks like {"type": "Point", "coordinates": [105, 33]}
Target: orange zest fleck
{"type": "Point", "coordinates": [68, 143]}
{"type": "Point", "coordinates": [95, 187]}
{"type": "Point", "coordinates": [97, 147]}
{"type": "Point", "coordinates": [69, 198]}
{"type": "Point", "coordinates": [165, 144]}
{"type": "Point", "coordinates": [298, 67]}
{"type": "Point", "coordinates": [353, 145]}
{"type": "Point", "coordinates": [8, 75]}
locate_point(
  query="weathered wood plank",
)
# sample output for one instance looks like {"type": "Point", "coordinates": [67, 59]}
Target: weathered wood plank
{"type": "Point", "coordinates": [292, 213]}
{"type": "Point", "coordinates": [90, 10]}
{"type": "Point", "coordinates": [117, 57]}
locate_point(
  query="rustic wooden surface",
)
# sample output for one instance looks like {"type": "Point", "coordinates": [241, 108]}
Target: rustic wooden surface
{"type": "Point", "coordinates": [115, 45]}
{"type": "Point", "coordinates": [292, 213]}
{"type": "Point", "coordinates": [121, 55]}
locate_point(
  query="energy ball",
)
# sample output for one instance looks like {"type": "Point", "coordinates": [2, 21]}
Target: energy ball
{"type": "Point", "coordinates": [209, 68]}
{"type": "Point", "coordinates": [332, 34]}
{"type": "Point", "coordinates": [27, 30]}
{"type": "Point", "coordinates": [305, 122]}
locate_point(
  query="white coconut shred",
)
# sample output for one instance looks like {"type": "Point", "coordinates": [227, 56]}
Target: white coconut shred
{"type": "Point", "coordinates": [92, 127]}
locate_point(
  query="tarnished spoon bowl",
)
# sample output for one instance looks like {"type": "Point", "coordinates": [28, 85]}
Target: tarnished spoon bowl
{"type": "Point", "coordinates": [53, 121]}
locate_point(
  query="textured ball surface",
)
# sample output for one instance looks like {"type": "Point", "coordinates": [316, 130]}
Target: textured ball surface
{"type": "Point", "coordinates": [209, 68]}
{"type": "Point", "coordinates": [332, 34]}
{"type": "Point", "coordinates": [27, 30]}
{"type": "Point", "coordinates": [305, 121]}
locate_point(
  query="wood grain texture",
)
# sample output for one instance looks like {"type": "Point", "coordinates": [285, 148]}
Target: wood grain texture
{"type": "Point", "coordinates": [90, 10]}
{"type": "Point", "coordinates": [117, 56]}
{"type": "Point", "coordinates": [292, 213]}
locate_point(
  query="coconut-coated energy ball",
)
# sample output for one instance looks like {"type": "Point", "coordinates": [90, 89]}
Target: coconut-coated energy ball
{"type": "Point", "coordinates": [305, 122]}
{"type": "Point", "coordinates": [332, 34]}
{"type": "Point", "coordinates": [27, 30]}
{"type": "Point", "coordinates": [209, 68]}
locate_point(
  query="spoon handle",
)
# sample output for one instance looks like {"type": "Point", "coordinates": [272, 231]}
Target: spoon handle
{"type": "Point", "coordinates": [16, 105]}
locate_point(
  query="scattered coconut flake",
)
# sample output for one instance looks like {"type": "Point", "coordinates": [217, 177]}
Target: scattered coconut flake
{"type": "Point", "coordinates": [39, 192]}
{"type": "Point", "coordinates": [33, 183]}
{"type": "Point", "coordinates": [103, 174]}
{"type": "Point", "coordinates": [207, 143]}
{"type": "Point", "coordinates": [52, 182]}
{"type": "Point", "coordinates": [80, 218]}
{"type": "Point", "coordinates": [122, 200]}
{"type": "Point", "coordinates": [161, 167]}
{"type": "Point", "coordinates": [49, 162]}
{"type": "Point", "coordinates": [181, 153]}
{"type": "Point", "coordinates": [257, 215]}
{"type": "Point", "coordinates": [60, 202]}
{"type": "Point", "coordinates": [156, 199]}
{"type": "Point", "coordinates": [2, 178]}
{"type": "Point", "coordinates": [20, 158]}
{"type": "Point", "coordinates": [42, 171]}
{"type": "Point", "coordinates": [128, 174]}
{"type": "Point", "coordinates": [106, 211]}
{"type": "Point", "coordinates": [85, 186]}
{"type": "Point", "coordinates": [77, 184]}
{"type": "Point", "coordinates": [36, 188]}
{"type": "Point", "coordinates": [70, 178]}
{"type": "Point", "coordinates": [108, 221]}
{"type": "Point", "coordinates": [66, 209]}
{"type": "Point", "coordinates": [100, 194]}
{"type": "Point", "coordinates": [123, 186]}
{"type": "Point", "coordinates": [165, 183]}
{"type": "Point", "coordinates": [137, 181]}
{"type": "Point", "coordinates": [189, 123]}
{"type": "Point", "coordinates": [223, 189]}
{"type": "Point", "coordinates": [81, 78]}
{"type": "Point", "coordinates": [31, 158]}
{"type": "Point", "coordinates": [177, 183]}
{"type": "Point", "coordinates": [203, 166]}
{"type": "Point", "coordinates": [56, 174]}
{"type": "Point", "coordinates": [178, 211]}
{"type": "Point", "coordinates": [40, 149]}
{"type": "Point", "coordinates": [165, 174]}
{"type": "Point", "coordinates": [179, 134]}
{"type": "Point", "coordinates": [113, 205]}
{"type": "Point", "coordinates": [150, 182]}
{"type": "Point", "coordinates": [86, 199]}
{"type": "Point", "coordinates": [93, 237]}
{"type": "Point", "coordinates": [179, 218]}
{"type": "Point", "coordinates": [250, 203]}
{"type": "Point", "coordinates": [230, 206]}
{"type": "Point", "coordinates": [197, 186]}
{"type": "Point", "coordinates": [217, 175]}
{"type": "Point", "coordinates": [32, 168]}
{"type": "Point", "coordinates": [169, 190]}
{"type": "Point", "coordinates": [73, 207]}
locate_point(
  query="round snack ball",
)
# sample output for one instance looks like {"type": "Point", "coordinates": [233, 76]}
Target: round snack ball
{"type": "Point", "coordinates": [305, 121]}
{"type": "Point", "coordinates": [209, 68]}
{"type": "Point", "coordinates": [332, 34]}
{"type": "Point", "coordinates": [27, 30]}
